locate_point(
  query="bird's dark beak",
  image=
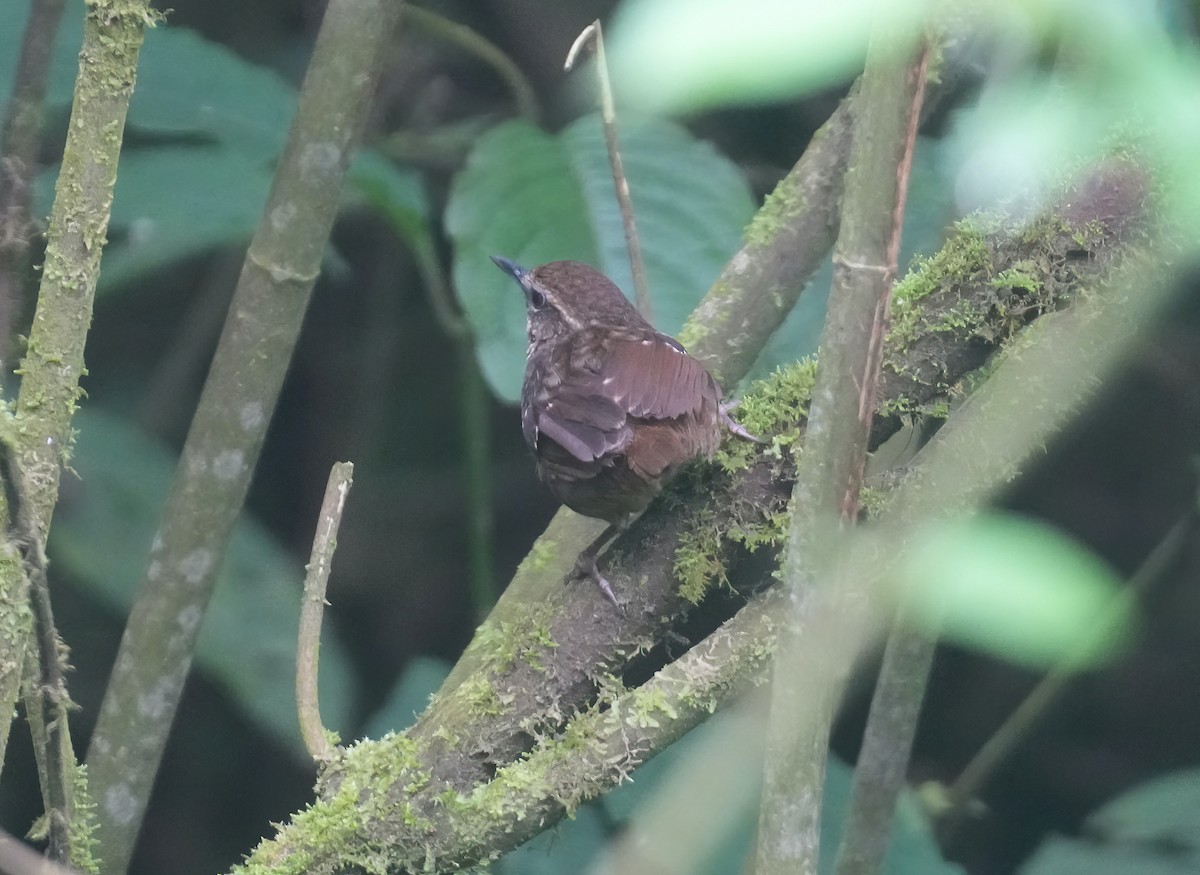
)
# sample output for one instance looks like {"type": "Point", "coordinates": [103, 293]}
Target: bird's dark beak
{"type": "Point", "coordinates": [510, 267]}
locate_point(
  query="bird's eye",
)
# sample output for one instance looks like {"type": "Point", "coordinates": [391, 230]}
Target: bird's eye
{"type": "Point", "coordinates": [537, 299]}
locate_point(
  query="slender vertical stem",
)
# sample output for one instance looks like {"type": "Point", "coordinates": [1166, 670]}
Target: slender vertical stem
{"type": "Point", "coordinates": [887, 744]}
{"type": "Point", "coordinates": [883, 759]}
{"type": "Point", "coordinates": [230, 424]}
{"type": "Point", "coordinates": [58, 774]}
{"type": "Point", "coordinates": [312, 611]}
{"type": "Point", "coordinates": [18, 157]}
{"type": "Point", "coordinates": [53, 364]}
{"type": "Point", "coordinates": [608, 116]}
{"type": "Point", "coordinates": [830, 471]}
{"type": "Point", "coordinates": [41, 431]}
{"type": "Point", "coordinates": [16, 623]}
{"type": "Point", "coordinates": [474, 429]}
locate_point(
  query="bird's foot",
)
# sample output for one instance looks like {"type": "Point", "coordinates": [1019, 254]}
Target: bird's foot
{"type": "Point", "coordinates": [585, 567]}
{"type": "Point", "coordinates": [733, 425]}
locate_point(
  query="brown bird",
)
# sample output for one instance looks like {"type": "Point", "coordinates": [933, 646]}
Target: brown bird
{"type": "Point", "coordinates": [609, 406]}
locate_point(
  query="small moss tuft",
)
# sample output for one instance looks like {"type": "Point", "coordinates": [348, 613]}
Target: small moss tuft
{"type": "Point", "coordinates": [776, 213]}
{"type": "Point", "coordinates": [540, 556]}
{"type": "Point", "coordinates": [771, 410]}
{"type": "Point", "coordinates": [698, 562]}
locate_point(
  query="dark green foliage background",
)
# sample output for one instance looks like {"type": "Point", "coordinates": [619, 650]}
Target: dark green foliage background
{"type": "Point", "coordinates": [375, 380]}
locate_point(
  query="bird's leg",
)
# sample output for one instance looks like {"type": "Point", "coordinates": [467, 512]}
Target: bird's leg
{"type": "Point", "coordinates": [733, 425]}
{"type": "Point", "coordinates": [585, 565]}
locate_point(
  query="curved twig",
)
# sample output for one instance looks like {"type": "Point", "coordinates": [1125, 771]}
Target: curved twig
{"type": "Point", "coordinates": [593, 35]}
{"type": "Point", "coordinates": [312, 610]}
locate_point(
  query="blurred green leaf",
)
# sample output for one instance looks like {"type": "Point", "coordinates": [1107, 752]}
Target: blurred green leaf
{"type": "Point", "coordinates": [683, 55]}
{"type": "Point", "coordinates": [102, 534]}
{"type": "Point", "coordinates": [1153, 829]}
{"type": "Point", "coordinates": [1014, 587]}
{"type": "Point", "coordinates": [534, 197]}
{"type": "Point", "coordinates": [1165, 810]}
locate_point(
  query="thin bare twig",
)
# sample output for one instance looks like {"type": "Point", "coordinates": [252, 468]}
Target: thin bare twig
{"type": "Point", "coordinates": [312, 610]}
{"type": "Point", "coordinates": [54, 702]}
{"type": "Point", "coordinates": [830, 471]}
{"type": "Point", "coordinates": [593, 34]}
{"type": "Point", "coordinates": [47, 702]}
{"type": "Point", "coordinates": [473, 426]}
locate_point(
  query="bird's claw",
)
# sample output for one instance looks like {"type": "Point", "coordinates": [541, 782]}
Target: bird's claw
{"type": "Point", "coordinates": [733, 425]}
{"type": "Point", "coordinates": [585, 567]}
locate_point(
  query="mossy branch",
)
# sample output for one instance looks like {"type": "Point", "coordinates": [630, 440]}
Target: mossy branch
{"type": "Point", "coordinates": [39, 433]}
{"type": "Point", "coordinates": [18, 158]}
{"type": "Point", "coordinates": [546, 649]}
{"type": "Point", "coordinates": [230, 423]}
{"type": "Point", "coordinates": [53, 363]}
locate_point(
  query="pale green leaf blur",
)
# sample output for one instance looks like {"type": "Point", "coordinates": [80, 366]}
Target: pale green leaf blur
{"type": "Point", "coordinates": [1014, 587]}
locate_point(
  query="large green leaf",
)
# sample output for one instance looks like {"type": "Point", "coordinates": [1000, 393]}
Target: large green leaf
{"type": "Point", "coordinates": [683, 55]}
{"type": "Point", "coordinates": [204, 130]}
{"type": "Point", "coordinates": [187, 86]}
{"type": "Point", "coordinates": [102, 534]}
{"type": "Point", "coordinates": [190, 86]}
{"type": "Point", "coordinates": [535, 197]}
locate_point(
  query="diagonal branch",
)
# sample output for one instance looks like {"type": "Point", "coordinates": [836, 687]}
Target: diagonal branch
{"type": "Point", "coordinates": [547, 648]}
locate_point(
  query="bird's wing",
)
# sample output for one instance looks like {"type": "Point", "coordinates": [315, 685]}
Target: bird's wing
{"type": "Point", "coordinates": [586, 425]}
{"type": "Point", "coordinates": [646, 376]}
{"type": "Point", "coordinates": [652, 377]}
